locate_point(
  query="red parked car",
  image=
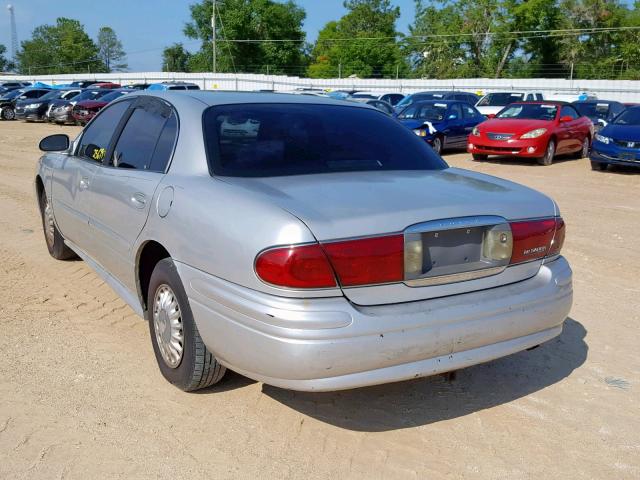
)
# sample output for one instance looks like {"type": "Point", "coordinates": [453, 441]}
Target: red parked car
{"type": "Point", "coordinates": [539, 130]}
{"type": "Point", "coordinates": [108, 85]}
{"type": "Point", "coordinates": [84, 111]}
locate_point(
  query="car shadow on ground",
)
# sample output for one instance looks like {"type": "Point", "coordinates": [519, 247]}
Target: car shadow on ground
{"type": "Point", "coordinates": [433, 399]}
{"type": "Point", "coordinates": [525, 162]}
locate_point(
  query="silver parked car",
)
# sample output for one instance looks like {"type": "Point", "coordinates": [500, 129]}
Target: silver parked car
{"type": "Point", "coordinates": [309, 243]}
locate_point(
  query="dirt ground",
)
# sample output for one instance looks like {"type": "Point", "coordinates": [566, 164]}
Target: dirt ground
{"type": "Point", "coordinates": [81, 396]}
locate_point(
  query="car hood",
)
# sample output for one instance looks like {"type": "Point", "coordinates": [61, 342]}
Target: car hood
{"type": "Point", "coordinates": [516, 126]}
{"type": "Point", "coordinates": [419, 123]}
{"type": "Point", "coordinates": [629, 133]}
{"type": "Point", "coordinates": [343, 205]}
{"type": "Point", "coordinates": [91, 104]}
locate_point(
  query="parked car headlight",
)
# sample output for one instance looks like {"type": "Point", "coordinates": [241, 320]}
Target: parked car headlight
{"type": "Point", "coordinates": [602, 139]}
{"type": "Point", "coordinates": [421, 132]}
{"type": "Point", "coordinates": [538, 132]}
{"type": "Point", "coordinates": [475, 132]}
{"type": "Point", "coordinates": [34, 105]}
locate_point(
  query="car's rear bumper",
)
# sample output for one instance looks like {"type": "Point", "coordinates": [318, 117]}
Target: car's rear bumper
{"type": "Point", "coordinates": [331, 344]}
{"type": "Point", "coordinates": [532, 148]}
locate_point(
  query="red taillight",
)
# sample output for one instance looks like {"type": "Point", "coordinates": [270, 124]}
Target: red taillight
{"type": "Point", "coordinates": [302, 266]}
{"type": "Point", "coordinates": [558, 239]}
{"type": "Point", "coordinates": [534, 239]}
{"type": "Point", "coordinates": [367, 261]}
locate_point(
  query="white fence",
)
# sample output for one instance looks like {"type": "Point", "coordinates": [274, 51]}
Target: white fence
{"type": "Point", "coordinates": [622, 90]}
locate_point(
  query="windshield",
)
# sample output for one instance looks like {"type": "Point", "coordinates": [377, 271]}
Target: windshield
{"type": "Point", "coordinates": [593, 110]}
{"type": "Point", "coordinates": [417, 97]}
{"type": "Point", "coordinates": [630, 116]}
{"type": "Point", "coordinates": [266, 140]}
{"type": "Point", "coordinates": [52, 95]}
{"type": "Point", "coordinates": [500, 99]}
{"type": "Point", "coordinates": [368, 96]}
{"type": "Point", "coordinates": [12, 94]}
{"type": "Point", "coordinates": [529, 111]}
{"type": "Point", "coordinates": [91, 95]}
{"type": "Point", "coordinates": [112, 96]}
{"type": "Point", "coordinates": [432, 112]}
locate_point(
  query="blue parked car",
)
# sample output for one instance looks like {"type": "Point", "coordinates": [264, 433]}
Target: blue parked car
{"type": "Point", "coordinates": [165, 86]}
{"type": "Point", "coordinates": [442, 124]}
{"type": "Point", "coordinates": [619, 142]}
{"type": "Point", "coordinates": [467, 97]}
{"type": "Point", "coordinates": [600, 112]}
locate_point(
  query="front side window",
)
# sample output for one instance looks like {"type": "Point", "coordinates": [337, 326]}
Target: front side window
{"type": "Point", "coordinates": [265, 140]}
{"type": "Point", "coordinates": [141, 135]}
{"type": "Point", "coordinates": [96, 137]}
{"type": "Point", "coordinates": [470, 112]}
{"type": "Point", "coordinates": [432, 112]}
{"type": "Point", "coordinates": [529, 111]}
{"type": "Point", "coordinates": [569, 112]}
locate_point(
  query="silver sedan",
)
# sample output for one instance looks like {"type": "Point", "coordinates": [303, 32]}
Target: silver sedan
{"type": "Point", "coordinates": [308, 243]}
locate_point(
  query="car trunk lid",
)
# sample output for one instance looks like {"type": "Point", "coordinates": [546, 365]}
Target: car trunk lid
{"type": "Point", "coordinates": [461, 205]}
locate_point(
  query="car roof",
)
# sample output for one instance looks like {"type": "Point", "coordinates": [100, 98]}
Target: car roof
{"type": "Point", "coordinates": [211, 98]}
{"type": "Point", "coordinates": [593, 100]}
{"type": "Point", "coordinates": [542, 102]}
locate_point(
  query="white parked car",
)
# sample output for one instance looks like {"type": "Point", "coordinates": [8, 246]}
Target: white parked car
{"type": "Point", "coordinates": [493, 102]}
{"type": "Point", "coordinates": [390, 97]}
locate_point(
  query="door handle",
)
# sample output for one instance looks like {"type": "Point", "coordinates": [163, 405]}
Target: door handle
{"type": "Point", "coordinates": [84, 183]}
{"type": "Point", "coordinates": [139, 200]}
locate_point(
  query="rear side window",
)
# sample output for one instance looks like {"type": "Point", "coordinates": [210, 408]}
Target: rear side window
{"type": "Point", "coordinates": [96, 137]}
{"type": "Point", "coordinates": [469, 111]}
{"type": "Point", "coordinates": [137, 144]}
{"type": "Point", "coordinates": [264, 140]}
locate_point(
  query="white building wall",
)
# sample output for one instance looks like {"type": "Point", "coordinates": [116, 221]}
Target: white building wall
{"type": "Point", "coordinates": [622, 90]}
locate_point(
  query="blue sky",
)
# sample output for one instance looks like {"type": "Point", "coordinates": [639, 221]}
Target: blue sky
{"type": "Point", "coordinates": [146, 26]}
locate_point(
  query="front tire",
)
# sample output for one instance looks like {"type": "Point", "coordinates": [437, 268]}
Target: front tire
{"type": "Point", "coordinates": [53, 238]}
{"type": "Point", "coordinates": [600, 167]}
{"type": "Point", "coordinates": [548, 154]}
{"type": "Point", "coordinates": [478, 157]}
{"type": "Point", "coordinates": [8, 114]}
{"type": "Point", "coordinates": [182, 356]}
{"type": "Point", "coordinates": [586, 147]}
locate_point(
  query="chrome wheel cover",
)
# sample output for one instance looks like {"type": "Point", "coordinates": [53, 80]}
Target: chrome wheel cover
{"type": "Point", "coordinates": [550, 151]}
{"type": "Point", "coordinates": [167, 325]}
{"type": "Point", "coordinates": [49, 224]}
{"type": "Point", "coordinates": [585, 148]}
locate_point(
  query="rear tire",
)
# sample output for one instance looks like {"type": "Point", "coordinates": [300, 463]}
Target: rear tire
{"type": "Point", "coordinates": [182, 356]}
{"type": "Point", "coordinates": [53, 238]}
{"type": "Point", "coordinates": [438, 142]}
{"type": "Point", "coordinates": [548, 154]}
{"type": "Point", "coordinates": [600, 167]}
{"type": "Point", "coordinates": [478, 157]}
{"type": "Point", "coordinates": [586, 148]}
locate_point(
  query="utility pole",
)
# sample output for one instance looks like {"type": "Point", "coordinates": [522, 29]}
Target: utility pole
{"type": "Point", "coordinates": [14, 34]}
{"type": "Point", "coordinates": [213, 26]}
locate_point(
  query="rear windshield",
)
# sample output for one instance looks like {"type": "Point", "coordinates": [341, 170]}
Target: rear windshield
{"type": "Point", "coordinates": [269, 140]}
{"type": "Point", "coordinates": [500, 99]}
{"type": "Point", "coordinates": [630, 116]}
{"type": "Point", "coordinates": [92, 94]}
{"type": "Point", "coordinates": [530, 111]}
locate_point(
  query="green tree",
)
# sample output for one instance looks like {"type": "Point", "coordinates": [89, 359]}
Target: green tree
{"type": "Point", "coordinates": [253, 21]}
{"type": "Point", "coordinates": [362, 43]}
{"type": "Point", "coordinates": [451, 38]}
{"type": "Point", "coordinates": [5, 63]}
{"type": "Point", "coordinates": [61, 48]}
{"type": "Point", "coordinates": [110, 50]}
{"type": "Point", "coordinates": [175, 58]}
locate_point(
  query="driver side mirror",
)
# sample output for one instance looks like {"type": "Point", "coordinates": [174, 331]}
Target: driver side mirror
{"type": "Point", "coordinates": [566, 119]}
{"type": "Point", "coordinates": [54, 143]}
{"type": "Point", "coordinates": [453, 116]}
